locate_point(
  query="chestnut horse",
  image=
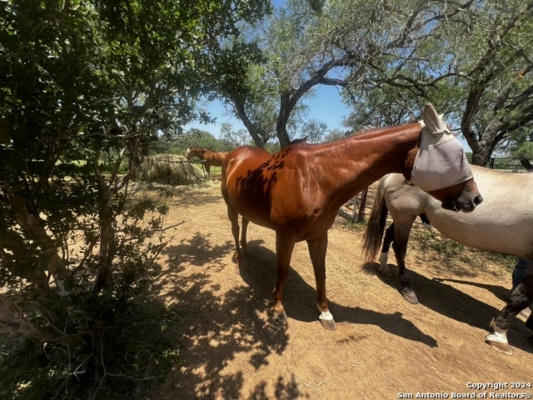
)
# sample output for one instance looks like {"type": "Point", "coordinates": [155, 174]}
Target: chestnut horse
{"type": "Point", "coordinates": [506, 230]}
{"type": "Point", "coordinates": [298, 191]}
{"type": "Point", "coordinates": [210, 157]}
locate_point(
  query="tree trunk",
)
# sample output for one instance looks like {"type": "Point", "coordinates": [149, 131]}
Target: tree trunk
{"type": "Point", "coordinates": [107, 242]}
{"type": "Point", "coordinates": [362, 205]}
{"type": "Point", "coordinates": [241, 113]}
{"type": "Point", "coordinates": [106, 252]}
{"type": "Point", "coordinates": [526, 164]}
{"type": "Point", "coordinates": [33, 229]}
{"type": "Point", "coordinates": [16, 324]}
{"type": "Point", "coordinates": [283, 118]}
{"type": "Point", "coordinates": [283, 136]}
{"type": "Point", "coordinates": [480, 158]}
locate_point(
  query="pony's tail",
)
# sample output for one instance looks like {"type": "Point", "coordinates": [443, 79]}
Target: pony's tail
{"type": "Point", "coordinates": [376, 225]}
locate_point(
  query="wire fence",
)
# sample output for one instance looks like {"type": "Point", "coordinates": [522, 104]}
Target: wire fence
{"type": "Point", "coordinates": [506, 163]}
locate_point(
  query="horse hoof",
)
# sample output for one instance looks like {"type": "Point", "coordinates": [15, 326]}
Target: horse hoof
{"type": "Point", "coordinates": [328, 324]}
{"type": "Point", "coordinates": [237, 257]}
{"type": "Point", "coordinates": [327, 321]}
{"type": "Point", "coordinates": [279, 316]}
{"type": "Point", "coordinates": [499, 346]}
{"type": "Point", "coordinates": [409, 295]}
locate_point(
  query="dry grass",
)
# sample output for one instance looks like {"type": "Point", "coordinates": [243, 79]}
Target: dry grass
{"type": "Point", "coordinates": [170, 169]}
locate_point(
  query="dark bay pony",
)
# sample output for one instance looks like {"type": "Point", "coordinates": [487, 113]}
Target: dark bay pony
{"type": "Point", "coordinates": [504, 229]}
{"type": "Point", "coordinates": [211, 158]}
{"type": "Point", "coordinates": [298, 191]}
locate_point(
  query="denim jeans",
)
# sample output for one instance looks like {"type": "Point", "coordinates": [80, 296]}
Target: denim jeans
{"type": "Point", "coordinates": [520, 271]}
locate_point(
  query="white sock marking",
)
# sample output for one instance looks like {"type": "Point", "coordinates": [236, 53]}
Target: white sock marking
{"type": "Point", "coordinates": [325, 315]}
{"type": "Point", "coordinates": [499, 335]}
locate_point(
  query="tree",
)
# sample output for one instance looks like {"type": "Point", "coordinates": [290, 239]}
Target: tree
{"type": "Point", "coordinates": [381, 106]}
{"type": "Point", "coordinates": [524, 152]}
{"type": "Point", "coordinates": [341, 43]}
{"type": "Point", "coordinates": [234, 138]}
{"type": "Point", "coordinates": [500, 89]}
{"type": "Point", "coordinates": [191, 138]}
{"type": "Point", "coordinates": [475, 64]}
{"type": "Point", "coordinates": [335, 134]}
{"type": "Point", "coordinates": [87, 87]}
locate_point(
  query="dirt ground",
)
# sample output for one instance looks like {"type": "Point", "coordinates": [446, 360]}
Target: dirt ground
{"type": "Point", "coordinates": [383, 346]}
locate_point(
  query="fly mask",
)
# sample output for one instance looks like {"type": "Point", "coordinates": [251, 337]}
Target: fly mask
{"type": "Point", "coordinates": [440, 161]}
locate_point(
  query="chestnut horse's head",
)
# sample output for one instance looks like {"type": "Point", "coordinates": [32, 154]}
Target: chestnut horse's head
{"type": "Point", "coordinates": [195, 152]}
{"type": "Point", "coordinates": [440, 167]}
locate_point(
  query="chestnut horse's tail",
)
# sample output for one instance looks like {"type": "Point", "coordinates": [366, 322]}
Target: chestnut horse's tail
{"type": "Point", "coordinates": [376, 225]}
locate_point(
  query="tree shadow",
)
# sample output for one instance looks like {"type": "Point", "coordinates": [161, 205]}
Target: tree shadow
{"type": "Point", "coordinates": [181, 195]}
{"type": "Point", "coordinates": [216, 328]}
{"type": "Point", "coordinates": [453, 303]}
{"type": "Point", "coordinates": [195, 198]}
{"type": "Point", "coordinates": [259, 272]}
{"type": "Point", "coordinates": [282, 391]}
{"type": "Point", "coordinates": [198, 251]}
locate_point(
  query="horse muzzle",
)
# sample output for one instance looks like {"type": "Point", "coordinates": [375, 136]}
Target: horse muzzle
{"type": "Point", "coordinates": [463, 203]}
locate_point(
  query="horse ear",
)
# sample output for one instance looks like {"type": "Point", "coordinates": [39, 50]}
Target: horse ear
{"type": "Point", "coordinates": [433, 121]}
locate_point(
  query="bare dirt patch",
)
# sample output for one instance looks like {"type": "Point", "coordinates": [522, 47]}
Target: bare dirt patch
{"type": "Point", "coordinates": [233, 349]}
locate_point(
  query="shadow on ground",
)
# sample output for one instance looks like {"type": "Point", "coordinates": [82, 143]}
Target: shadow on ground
{"type": "Point", "coordinates": [198, 251]}
{"type": "Point", "coordinates": [216, 328]}
{"type": "Point", "coordinates": [499, 291]}
{"type": "Point", "coordinates": [259, 272]}
{"type": "Point", "coordinates": [452, 303]}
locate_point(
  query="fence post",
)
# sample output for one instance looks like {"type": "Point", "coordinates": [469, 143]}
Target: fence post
{"type": "Point", "coordinates": [354, 205]}
{"type": "Point", "coordinates": [362, 206]}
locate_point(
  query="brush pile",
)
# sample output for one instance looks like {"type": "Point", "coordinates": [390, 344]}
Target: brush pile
{"type": "Point", "coordinates": [170, 169]}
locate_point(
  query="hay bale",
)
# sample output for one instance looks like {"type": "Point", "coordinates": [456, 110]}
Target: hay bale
{"type": "Point", "coordinates": [169, 169]}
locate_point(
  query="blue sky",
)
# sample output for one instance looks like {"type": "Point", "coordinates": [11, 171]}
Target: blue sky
{"type": "Point", "coordinates": [325, 104]}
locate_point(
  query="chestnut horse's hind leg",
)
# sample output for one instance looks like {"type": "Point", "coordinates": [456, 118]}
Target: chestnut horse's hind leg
{"type": "Point", "coordinates": [243, 232]}
{"type": "Point", "coordinates": [401, 236]}
{"type": "Point", "coordinates": [317, 251]}
{"type": "Point", "coordinates": [284, 247]}
{"type": "Point", "coordinates": [234, 219]}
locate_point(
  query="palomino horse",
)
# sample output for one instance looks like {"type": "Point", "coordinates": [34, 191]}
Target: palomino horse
{"type": "Point", "coordinates": [210, 157]}
{"type": "Point", "coordinates": [504, 229]}
{"type": "Point", "coordinates": [298, 191]}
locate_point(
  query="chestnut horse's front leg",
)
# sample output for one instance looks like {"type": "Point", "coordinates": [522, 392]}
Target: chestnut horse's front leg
{"type": "Point", "coordinates": [284, 247]}
{"type": "Point", "coordinates": [243, 232]}
{"type": "Point", "coordinates": [317, 251]}
{"type": "Point", "coordinates": [234, 219]}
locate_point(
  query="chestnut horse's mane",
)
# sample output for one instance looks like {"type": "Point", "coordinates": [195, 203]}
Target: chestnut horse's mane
{"type": "Point", "coordinates": [363, 133]}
